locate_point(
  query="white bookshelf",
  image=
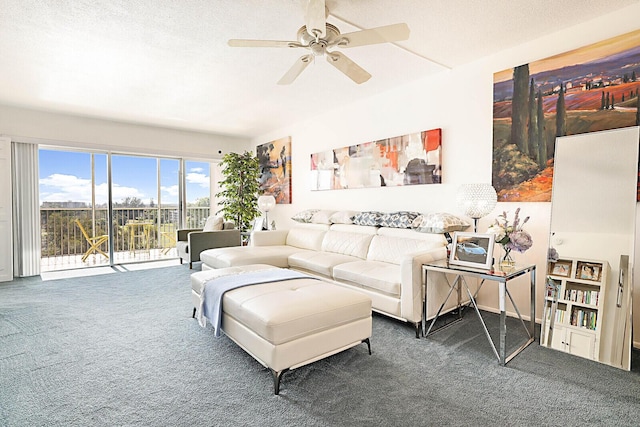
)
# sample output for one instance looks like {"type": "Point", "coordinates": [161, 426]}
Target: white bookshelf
{"type": "Point", "coordinates": [574, 306]}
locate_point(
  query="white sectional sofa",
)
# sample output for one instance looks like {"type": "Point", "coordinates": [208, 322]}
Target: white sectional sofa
{"type": "Point", "coordinates": [383, 263]}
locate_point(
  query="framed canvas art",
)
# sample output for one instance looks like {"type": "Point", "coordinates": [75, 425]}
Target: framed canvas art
{"type": "Point", "coordinates": [589, 89]}
{"type": "Point", "coordinates": [275, 169]}
{"type": "Point", "coordinates": [403, 160]}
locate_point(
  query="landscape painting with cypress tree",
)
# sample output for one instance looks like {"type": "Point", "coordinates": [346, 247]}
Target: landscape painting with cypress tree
{"type": "Point", "coordinates": [589, 89]}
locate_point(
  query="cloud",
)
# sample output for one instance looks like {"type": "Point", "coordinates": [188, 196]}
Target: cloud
{"type": "Point", "coordinates": [120, 193]}
{"type": "Point", "coordinates": [170, 191]}
{"type": "Point", "coordinates": [64, 188]}
{"type": "Point", "coordinates": [196, 170]}
{"type": "Point", "coordinates": [198, 178]}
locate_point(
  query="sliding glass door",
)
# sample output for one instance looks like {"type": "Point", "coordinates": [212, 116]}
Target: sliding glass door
{"type": "Point", "coordinates": [168, 205]}
{"type": "Point", "coordinates": [73, 209]}
{"type": "Point", "coordinates": [150, 199]}
{"type": "Point", "coordinates": [134, 194]}
{"type": "Point", "coordinates": [197, 193]}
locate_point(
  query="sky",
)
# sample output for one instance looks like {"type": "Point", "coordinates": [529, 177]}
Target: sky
{"type": "Point", "coordinates": [66, 176]}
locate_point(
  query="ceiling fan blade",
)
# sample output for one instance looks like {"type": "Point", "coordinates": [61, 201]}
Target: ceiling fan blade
{"type": "Point", "coordinates": [348, 67]}
{"type": "Point", "coordinates": [387, 33]}
{"type": "Point", "coordinates": [294, 72]}
{"type": "Point", "coordinates": [316, 18]}
{"type": "Point", "coordinates": [261, 43]}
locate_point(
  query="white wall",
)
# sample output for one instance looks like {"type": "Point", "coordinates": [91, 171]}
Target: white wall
{"type": "Point", "coordinates": [74, 131]}
{"type": "Point", "coordinates": [460, 102]}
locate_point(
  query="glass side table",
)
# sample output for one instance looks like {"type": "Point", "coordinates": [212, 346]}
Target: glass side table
{"type": "Point", "coordinates": [502, 278]}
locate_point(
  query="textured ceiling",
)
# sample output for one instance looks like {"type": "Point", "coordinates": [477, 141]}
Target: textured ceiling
{"type": "Point", "coordinates": [167, 62]}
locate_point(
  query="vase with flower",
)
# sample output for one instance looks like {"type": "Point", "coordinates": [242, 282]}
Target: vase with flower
{"type": "Point", "coordinates": [511, 236]}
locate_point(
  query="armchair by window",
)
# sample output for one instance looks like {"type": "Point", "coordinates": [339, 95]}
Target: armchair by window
{"type": "Point", "coordinates": [190, 242]}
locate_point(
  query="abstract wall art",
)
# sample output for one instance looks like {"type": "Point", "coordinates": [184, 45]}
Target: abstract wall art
{"type": "Point", "coordinates": [402, 160]}
{"type": "Point", "coordinates": [275, 169]}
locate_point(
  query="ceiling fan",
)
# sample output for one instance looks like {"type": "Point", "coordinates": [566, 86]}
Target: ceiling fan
{"type": "Point", "coordinates": [318, 36]}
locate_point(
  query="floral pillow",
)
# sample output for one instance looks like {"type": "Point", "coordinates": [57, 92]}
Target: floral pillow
{"type": "Point", "coordinates": [305, 216]}
{"type": "Point", "coordinates": [401, 219]}
{"type": "Point", "coordinates": [440, 222]}
{"type": "Point", "coordinates": [371, 218]}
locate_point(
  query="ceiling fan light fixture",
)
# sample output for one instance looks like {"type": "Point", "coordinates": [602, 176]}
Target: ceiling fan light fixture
{"type": "Point", "coordinates": [318, 49]}
{"type": "Point", "coordinates": [317, 41]}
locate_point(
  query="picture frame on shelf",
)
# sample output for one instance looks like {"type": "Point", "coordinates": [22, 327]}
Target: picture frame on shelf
{"type": "Point", "coordinates": [472, 250]}
{"type": "Point", "coordinates": [561, 268]}
{"type": "Point", "coordinates": [588, 271]}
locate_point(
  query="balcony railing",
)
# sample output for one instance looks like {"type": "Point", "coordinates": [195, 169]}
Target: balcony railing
{"type": "Point", "coordinates": [144, 233]}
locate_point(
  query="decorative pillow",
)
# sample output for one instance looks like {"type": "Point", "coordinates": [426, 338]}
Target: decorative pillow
{"type": "Point", "coordinates": [401, 219]}
{"type": "Point", "coordinates": [214, 223]}
{"type": "Point", "coordinates": [343, 217]}
{"type": "Point", "coordinates": [322, 217]}
{"type": "Point", "coordinates": [367, 218]}
{"type": "Point", "coordinates": [440, 222]}
{"type": "Point", "coordinates": [304, 216]}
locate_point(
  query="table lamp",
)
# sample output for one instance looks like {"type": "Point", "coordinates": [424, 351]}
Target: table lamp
{"type": "Point", "coordinates": [265, 204]}
{"type": "Point", "coordinates": [476, 201]}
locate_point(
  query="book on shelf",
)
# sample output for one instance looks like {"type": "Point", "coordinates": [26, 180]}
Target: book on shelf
{"type": "Point", "coordinates": [584, 319]}
{"type": "Point", "coordinates": [559, 317]}
{"type": "Point", "coordinates": [583, 297]}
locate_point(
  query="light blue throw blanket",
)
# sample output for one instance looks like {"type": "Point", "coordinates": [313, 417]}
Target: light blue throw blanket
{"type": "Point", "coordinates": [211, 302]}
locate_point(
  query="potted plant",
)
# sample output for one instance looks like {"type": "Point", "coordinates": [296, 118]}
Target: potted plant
{"type": "Point", "coordinates": [240, 185]}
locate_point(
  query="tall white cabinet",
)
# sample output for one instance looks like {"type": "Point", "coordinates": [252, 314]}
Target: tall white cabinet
{"type": "Point", "coordinates": [6, 240]}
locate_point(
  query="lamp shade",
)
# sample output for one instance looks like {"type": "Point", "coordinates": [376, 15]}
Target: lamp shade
{"type": "Point", "coordinates": [477, 200]}
{"type": "Point", "coordinates": [266, 203]}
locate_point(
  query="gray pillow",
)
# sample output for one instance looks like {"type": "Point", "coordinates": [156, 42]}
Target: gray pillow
{"type": "Point", "coordinates": [371, 218]}
{"type": "Point", "coordinates": [402, 219]}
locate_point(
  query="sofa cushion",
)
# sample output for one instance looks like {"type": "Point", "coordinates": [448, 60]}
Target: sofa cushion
{"type": "Point", "coordinates": [436, 238]}
{"type": "Point", "coordinates": [245, 255]}
{"type": "Point", "coordinates": [402, 219]}
{"type": "Point", "coordinates": [320, 263]}
{"type": "Point", "coordinates": [393, 249]}
{"type": "Point", "coordinates": [306, 237]}
{"type": "Point", "coordinates": [352, 228]}
{"type": "Point", "coordinates": [345, 243]}
{"type": "Point", "coordinates": [379, 276]}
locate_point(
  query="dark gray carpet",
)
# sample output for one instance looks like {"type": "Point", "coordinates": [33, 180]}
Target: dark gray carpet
{"type": "Point", "coordinates": [122, 350]}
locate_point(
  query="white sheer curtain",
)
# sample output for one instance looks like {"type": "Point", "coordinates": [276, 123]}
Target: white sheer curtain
{"type": "Point", "coordinates": [26, 210]}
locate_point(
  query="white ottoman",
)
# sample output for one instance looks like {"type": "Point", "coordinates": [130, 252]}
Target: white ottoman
{"type": "Point", "coordinates": [290, 323]}
{"type": "Point", "coordinates": [201, 277]}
